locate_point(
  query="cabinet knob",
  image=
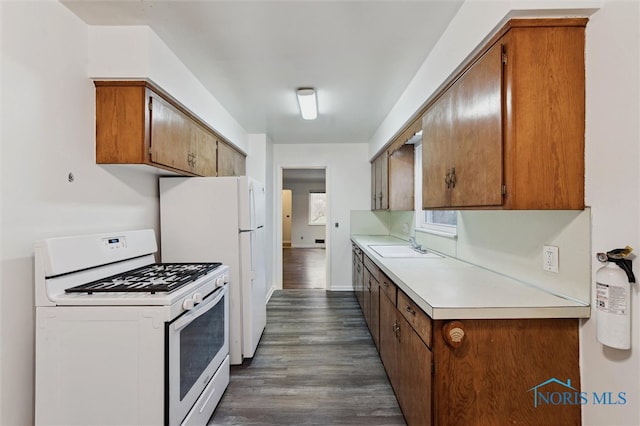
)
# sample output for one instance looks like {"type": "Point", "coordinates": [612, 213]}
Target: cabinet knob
{"type": "Point", "coordinates": [453, 333]}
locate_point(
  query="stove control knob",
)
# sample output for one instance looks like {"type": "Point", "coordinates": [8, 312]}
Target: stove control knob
{"type": "Point", "coordinates": [188, 304]}
{"type": "Point", "coordinates": [220, 281]}
{"type": "Point", "coordinates": [197, 298]}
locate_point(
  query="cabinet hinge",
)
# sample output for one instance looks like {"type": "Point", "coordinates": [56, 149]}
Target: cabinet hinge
{"type": "Point", "coordinates": [150, 104]}
{"type": "Point", "coordinates": [504, 56]}
{"type": "Point", "coordinates": [504, 190]}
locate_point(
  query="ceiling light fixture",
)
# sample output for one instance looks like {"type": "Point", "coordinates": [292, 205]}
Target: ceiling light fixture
{"type": "Point", "coordinates": [308, 103]}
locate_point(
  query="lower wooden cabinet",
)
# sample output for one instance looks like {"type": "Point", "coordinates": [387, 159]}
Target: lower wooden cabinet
{"type": "Point", "coordinates": [358, 275]}
{"type": "Point", "coordinates": [370, 297]}
{"type": "Point", "coordinates": [408, 362]}
{"type": "Point", "coordinates": [476, 371]}
{"type": "Point", "coordinates": [502, 371]}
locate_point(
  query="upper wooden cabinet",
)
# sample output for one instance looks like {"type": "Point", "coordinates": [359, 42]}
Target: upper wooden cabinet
{"type": "Point", "coordinates": [178, 142]}
{"type": "Point", "coordinates": [137, 123]}
{"type": "Point", "coordinates": [231, 162]}
{"type": "Point", "coordinates": [507, 131]}
{"type": "Point", "coordinates": [392, 179]}
{"type": "Point", "coordinates": [380, 182]}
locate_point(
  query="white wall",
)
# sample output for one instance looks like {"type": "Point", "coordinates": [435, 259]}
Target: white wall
{"type": "Point", "coordinates": [348, 176]}
{"type": "Point", "coordinates": [47, 133]}
{"type": "Point", "coordinates": [612, 177]}
{"type": "Point", "coordinates": [136, 52]}
{"type": "Point", "coordinates": [475, 21]}
{"type": "Point", "coordinates": [612, 191]}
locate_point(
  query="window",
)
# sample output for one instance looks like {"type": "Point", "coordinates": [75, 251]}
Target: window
{"type": "Point", "coordinates": [442, 222]}
{"type": "Point", "coordinates": [317, 208]}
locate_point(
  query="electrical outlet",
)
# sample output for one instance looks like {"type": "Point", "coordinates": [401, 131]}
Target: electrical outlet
{"type": "Point", "coordinates": [550, 258]}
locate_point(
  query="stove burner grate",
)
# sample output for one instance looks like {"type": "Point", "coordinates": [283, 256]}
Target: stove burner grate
{"type": "Point", "coordinates": [157, 277]}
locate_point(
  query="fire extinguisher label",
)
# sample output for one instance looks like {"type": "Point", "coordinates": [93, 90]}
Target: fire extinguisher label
{"type": "Point", "coordinates": [612, 299]}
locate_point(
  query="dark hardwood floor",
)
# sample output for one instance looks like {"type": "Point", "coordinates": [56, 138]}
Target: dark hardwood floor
{"type": "Point", "coordinates": [303, 268]}
{"type": "Point", "coordinates": [315, 365]}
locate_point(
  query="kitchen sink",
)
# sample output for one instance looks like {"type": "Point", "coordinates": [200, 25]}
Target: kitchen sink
{"type": "Point", "coordinates": [401, 250]}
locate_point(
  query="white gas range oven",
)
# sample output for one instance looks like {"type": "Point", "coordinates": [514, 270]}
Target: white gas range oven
{"type": "Point", "coordinates": [123, 340]}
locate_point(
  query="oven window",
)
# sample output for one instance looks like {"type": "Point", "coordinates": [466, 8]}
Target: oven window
{"type": "Point", "coordinates": [200, 341]}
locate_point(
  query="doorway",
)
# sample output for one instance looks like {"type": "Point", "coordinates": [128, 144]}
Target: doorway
{"type": "Point", "coordinates": [304, 224]}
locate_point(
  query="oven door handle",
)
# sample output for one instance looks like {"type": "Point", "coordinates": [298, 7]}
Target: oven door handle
{"type": "Point", "coordinates": [200, 309]}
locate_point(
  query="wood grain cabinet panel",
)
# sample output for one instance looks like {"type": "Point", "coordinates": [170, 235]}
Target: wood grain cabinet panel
{"type": "Point", "coordinates": [392, 179]}
{"type": "Point", "coordinates": [389, 288]}
{"type": "Point", "coordinates": [231, 162]}
{"type": "Point", "coordinates": [475, 371]}
{"type": "Point", "coordinates": [491, 376]}
{"type": "Point", "coordinates": [408, 362]}
{"type": "Point", "coordinates": [418, 320]}
{"type": "Point", "coordinates": [371, 305]}
{"type": "Point", "coordinates": [138, 123]}
{"type": "Point", "coordinates": [380, 182]}
{"type": "Point", "coordinates": [507, 131]}
{"type": "Point", "coordinates": [358, 275]}
{"type": "Point", "coordinates": [178, 142]}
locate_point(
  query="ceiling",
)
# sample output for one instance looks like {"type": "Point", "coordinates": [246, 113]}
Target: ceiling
{"type": "Point", "coordinates": [251, 55]}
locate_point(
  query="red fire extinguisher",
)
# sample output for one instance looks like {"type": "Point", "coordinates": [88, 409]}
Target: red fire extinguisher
{"type": "Point", "coordinates": [613, 298]}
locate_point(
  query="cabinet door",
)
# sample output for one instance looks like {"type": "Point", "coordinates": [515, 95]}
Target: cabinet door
{"type": "Point", "coordinates": [436, 162]}
{"type": "Point", "coordinates": [359, 281]}
{"type": "Point", "coordinates": [366, 297]}
{"type": "Point", "coordinates": [179, 142]}
{"type": "Point", "coordinates": [477, 133]}
{"type": "Point", "coordinates": [380, 182]}
{"type": "Point", "coordinates": [400, 178]}
{"type": "Point", "coordinates": [230, 161]}
{"type": "Point", "coordinates": [170, 136]}
{"type": "Point", "coordinates": [388, 340]}
{"type": "Point", "coordinates": [372, 305]}
{"type": "Point", "coordinates": [203, 147]}
{"type": "Point", "coordinates": [415, 376]}
{"type": "Point", "coordinates": [462, 139]}
{"type": "Point", "coordinates": [374, 312]}
{"type": "Point", "coordinates": [374, 185]}
{"type": "Point", "coordinates": [383, 168]}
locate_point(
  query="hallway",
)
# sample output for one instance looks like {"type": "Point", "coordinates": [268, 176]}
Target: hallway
{"type": "Point", "coordinates": [303, 268]}
{"type": "Point", "coordinates": [316, 365]}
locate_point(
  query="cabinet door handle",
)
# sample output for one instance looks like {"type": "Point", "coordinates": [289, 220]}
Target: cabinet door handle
{"type": "Point", "coordinates": [450, 178]}
{"type": "Point", "coordinates": [411, 311]}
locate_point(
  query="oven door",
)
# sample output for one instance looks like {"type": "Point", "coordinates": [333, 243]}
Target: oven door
{"type": "Point", "coordinates": [197, 342]}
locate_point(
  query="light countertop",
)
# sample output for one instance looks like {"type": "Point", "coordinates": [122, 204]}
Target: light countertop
{"type": "Point", "coordinates": [448, 288]}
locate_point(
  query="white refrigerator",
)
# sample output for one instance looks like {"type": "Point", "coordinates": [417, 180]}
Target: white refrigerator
{"type": "Point", "coordinates": [221, 219]}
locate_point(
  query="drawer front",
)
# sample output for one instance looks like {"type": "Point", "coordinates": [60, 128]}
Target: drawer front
{"type": "Point", "coordinates": [420, 321]}
{"type": "Point", "coordinates": [389, 288]}
{"type": "Point", "coordinates": [373, 269]}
